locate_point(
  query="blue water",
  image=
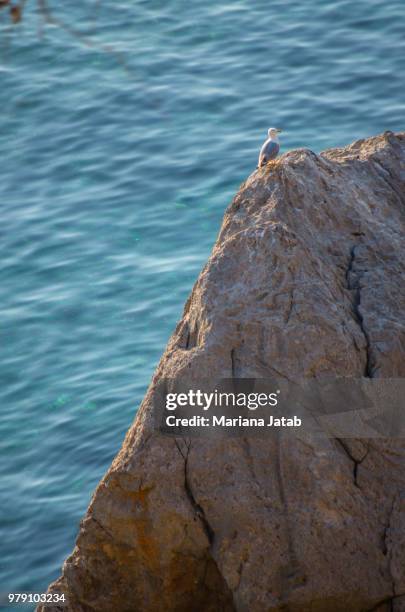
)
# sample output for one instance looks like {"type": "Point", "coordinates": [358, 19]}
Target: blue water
{"type": "Point", "coordinates": [115, 170]}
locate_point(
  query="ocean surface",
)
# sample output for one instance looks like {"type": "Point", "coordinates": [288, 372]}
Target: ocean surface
{"type": "Point", "coordinates": [121, 144]}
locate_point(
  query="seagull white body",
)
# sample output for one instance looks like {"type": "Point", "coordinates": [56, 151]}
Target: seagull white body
{"type": "Point", "coordinates": [270, 148]}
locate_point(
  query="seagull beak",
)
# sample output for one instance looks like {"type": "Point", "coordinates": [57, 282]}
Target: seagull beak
{"type": "Point", "coordinates": [279, 131]}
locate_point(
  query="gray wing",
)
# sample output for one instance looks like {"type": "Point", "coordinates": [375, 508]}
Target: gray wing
{"type": "Point", "coordinates": [268, 151]}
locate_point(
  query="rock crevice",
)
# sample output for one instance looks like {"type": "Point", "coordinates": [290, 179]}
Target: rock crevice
{"type": "Point", "coordinates": [199, 512]}
{"type": "Point", "coordinates": [353, 279]}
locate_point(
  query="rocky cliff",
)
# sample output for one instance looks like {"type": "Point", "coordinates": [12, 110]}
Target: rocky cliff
{"type": "Point", "coordinates": [306, 279]}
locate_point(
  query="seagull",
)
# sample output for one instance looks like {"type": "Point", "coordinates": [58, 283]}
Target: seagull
{"type": "Point", "coordinates": [270, 148]}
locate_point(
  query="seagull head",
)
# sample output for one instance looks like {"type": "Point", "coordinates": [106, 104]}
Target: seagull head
{"type": "Point", "coordinates": [273, 133]}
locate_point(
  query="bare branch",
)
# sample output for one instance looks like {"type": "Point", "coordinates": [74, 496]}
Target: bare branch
{"type": "Point", "coordinates": [48, 18]}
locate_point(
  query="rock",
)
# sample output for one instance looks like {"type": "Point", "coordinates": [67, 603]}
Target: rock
{"type": "Point", "coordinates": [306, 279]}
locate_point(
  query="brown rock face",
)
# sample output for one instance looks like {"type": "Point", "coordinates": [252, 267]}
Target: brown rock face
{"type": "Point", "coordinates": [306, 279]}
